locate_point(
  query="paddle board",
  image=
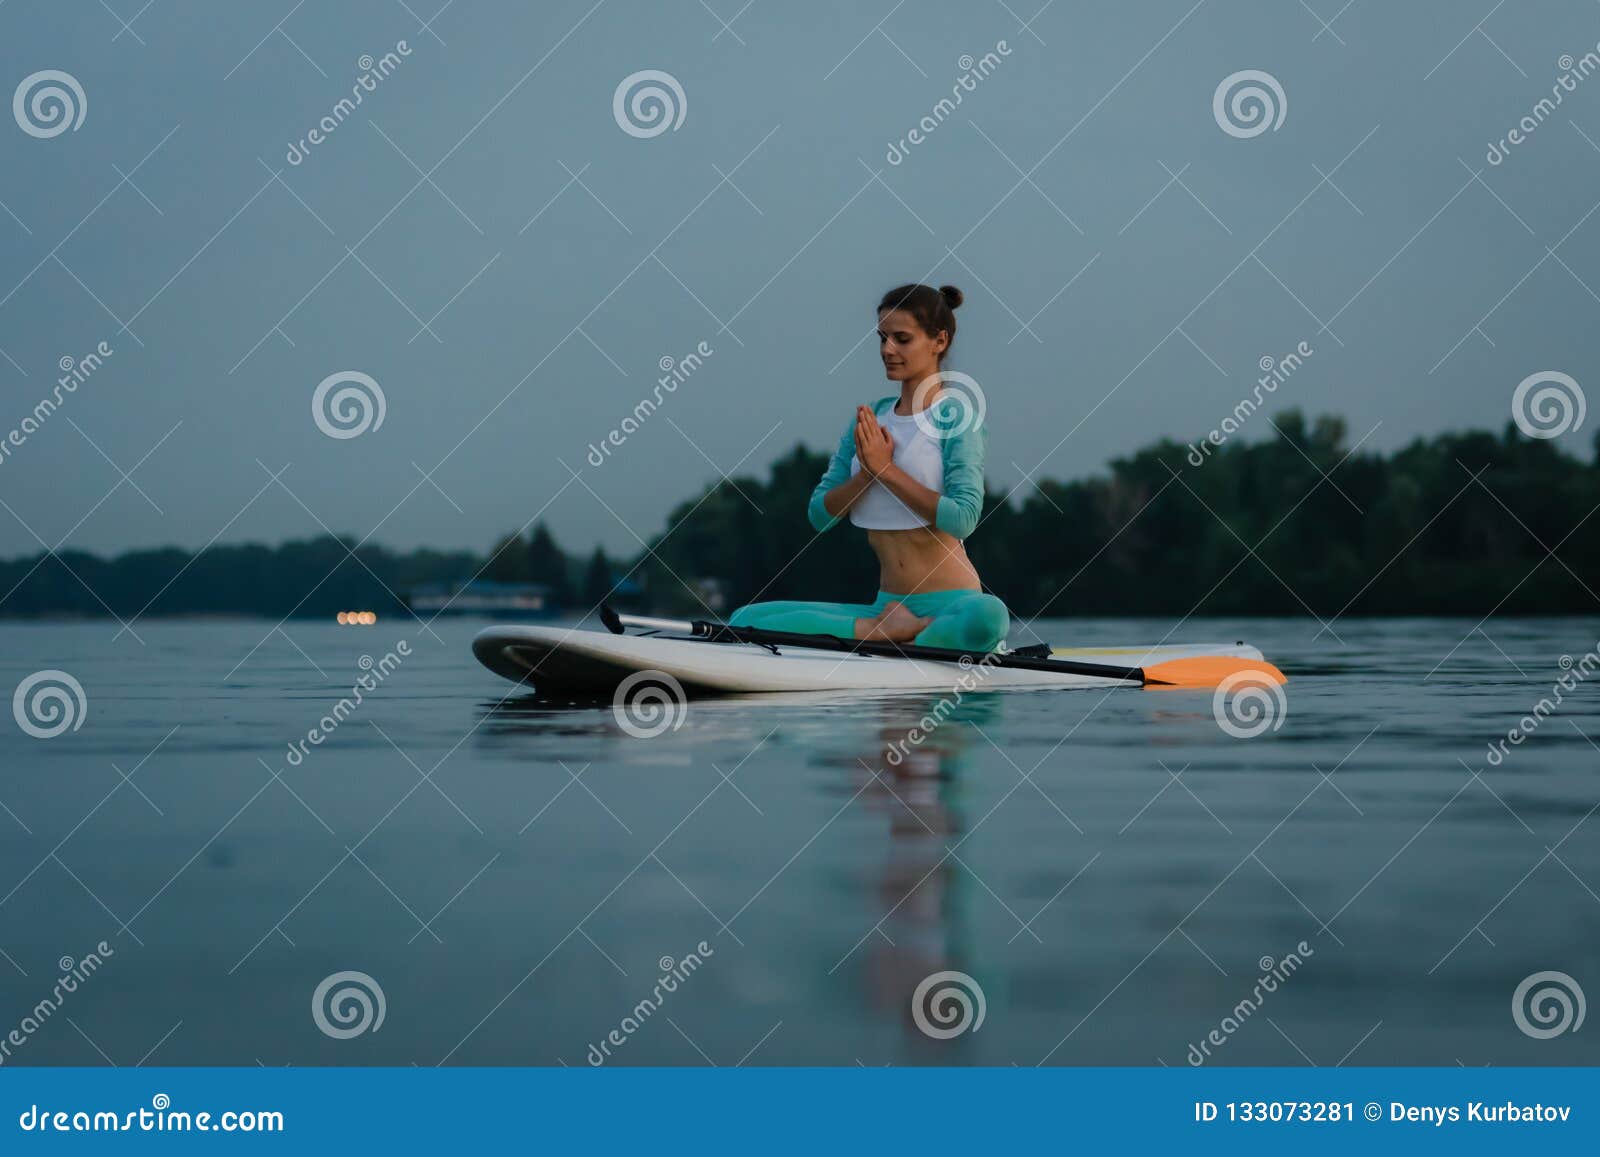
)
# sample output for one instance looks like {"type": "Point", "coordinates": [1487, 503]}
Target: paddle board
{"type": "Point", "coordinates": [564, 659]}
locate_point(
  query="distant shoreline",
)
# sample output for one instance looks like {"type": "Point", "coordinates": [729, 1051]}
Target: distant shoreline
{"type": "Point", "coordinates": [1298, 525]}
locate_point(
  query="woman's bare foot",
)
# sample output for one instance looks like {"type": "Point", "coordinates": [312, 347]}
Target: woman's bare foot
{"type": "Point", "coordinates": [894, 624]}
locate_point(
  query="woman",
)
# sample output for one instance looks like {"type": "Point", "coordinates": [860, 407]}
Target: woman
{"type": "Point", "coordinates": [909, 470]}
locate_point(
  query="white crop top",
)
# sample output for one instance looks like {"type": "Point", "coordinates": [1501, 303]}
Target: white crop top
{"type": "Point", "coordinates": [919, 455]}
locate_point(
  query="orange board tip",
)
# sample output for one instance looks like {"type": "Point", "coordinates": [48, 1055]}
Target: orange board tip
{"type": "Point", "coordinates": [1211, 671]}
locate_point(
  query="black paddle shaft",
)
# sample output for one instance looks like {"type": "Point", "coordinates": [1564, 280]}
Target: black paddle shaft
{"type": "Point", "coordinates": [722, 633]}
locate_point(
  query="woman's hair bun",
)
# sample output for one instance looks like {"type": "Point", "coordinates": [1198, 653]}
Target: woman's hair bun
{"type": "Point", "coordinates": [953, 297]}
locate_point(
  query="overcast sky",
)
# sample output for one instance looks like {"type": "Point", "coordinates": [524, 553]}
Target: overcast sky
{"type": "Point", "coordinates": [485, 241]}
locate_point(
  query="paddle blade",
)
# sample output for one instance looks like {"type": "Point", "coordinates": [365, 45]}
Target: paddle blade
{"type": "Point", "coordinates": [1210, 671]}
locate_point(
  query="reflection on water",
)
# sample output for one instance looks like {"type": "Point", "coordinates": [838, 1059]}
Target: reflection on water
{"type": "Point", "coordinates": [1108, 868]}
{"type": "Point", "coordinates": [908, 781]}
{"type": "Point", "coordinates": [912, 779]}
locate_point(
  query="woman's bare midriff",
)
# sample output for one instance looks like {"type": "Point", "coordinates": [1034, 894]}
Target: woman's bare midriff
{"type": "Point", "coordinates": [921, 560]}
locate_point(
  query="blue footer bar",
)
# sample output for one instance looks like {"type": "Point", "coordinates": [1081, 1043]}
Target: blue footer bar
{"type": "Point", "coordinates": [802, 1110]}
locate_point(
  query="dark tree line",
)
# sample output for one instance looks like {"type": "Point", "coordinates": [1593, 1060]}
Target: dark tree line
{"type": "Point", "coordinates": [315, 578]}
{"type": "Point", "coordinates": [1459, 523]}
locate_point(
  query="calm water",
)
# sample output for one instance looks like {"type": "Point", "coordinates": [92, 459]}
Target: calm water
{"type": "Point", "coordinates": [512, 872]}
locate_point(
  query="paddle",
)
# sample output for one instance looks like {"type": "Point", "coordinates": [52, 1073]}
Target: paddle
{"type": "Point", "coordinates": [1204, 671]}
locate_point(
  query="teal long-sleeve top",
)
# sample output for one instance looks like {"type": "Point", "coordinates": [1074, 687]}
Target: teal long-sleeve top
{"type": "Point", "coordinates": [963, 445]}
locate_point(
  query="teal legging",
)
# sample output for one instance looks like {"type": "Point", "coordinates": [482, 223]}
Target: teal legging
{"type": "Point", "coordinates": [965, 620]}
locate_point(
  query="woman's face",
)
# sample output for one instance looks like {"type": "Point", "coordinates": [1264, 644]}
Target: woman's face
{"type": "Point", "coordinates": [908, 353]}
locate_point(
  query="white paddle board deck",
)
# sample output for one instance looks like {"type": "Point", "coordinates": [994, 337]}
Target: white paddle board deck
{"type": "Point", "coordinates": [568, 659]}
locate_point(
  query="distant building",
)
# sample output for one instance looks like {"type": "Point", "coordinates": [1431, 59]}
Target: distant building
{"type": "Point", "coordinates": [713, 592]}
{"type": "Point", "coordinates": [627, 587]}
{"type": "Point", "coordinates": [480, 597]}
